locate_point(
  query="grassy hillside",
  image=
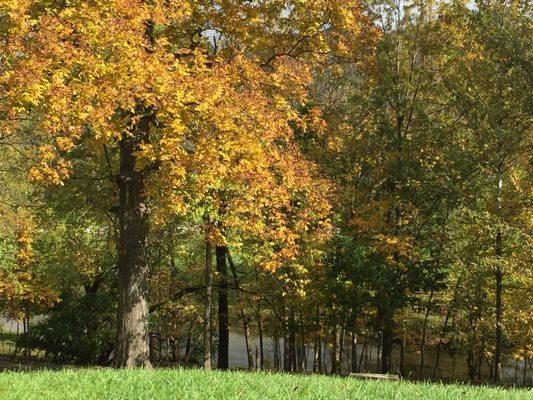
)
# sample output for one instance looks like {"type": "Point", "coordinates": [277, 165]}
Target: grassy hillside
{"type": "Point", "coordinates": [196, 384]}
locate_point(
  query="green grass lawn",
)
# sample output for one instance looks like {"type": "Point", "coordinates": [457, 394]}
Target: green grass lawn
{"type": "Point", "coordinates": [196, 384]}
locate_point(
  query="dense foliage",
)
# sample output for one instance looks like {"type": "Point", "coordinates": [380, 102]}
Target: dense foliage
{"type": "Point", "coordinates": [323, 169]}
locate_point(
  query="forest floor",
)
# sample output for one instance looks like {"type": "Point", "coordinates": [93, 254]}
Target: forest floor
{"type": "Point", "coordinates": [193, 384]}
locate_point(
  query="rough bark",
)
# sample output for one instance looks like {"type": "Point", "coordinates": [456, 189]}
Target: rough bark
{"type": "Point", "coordinates": [131, 342]}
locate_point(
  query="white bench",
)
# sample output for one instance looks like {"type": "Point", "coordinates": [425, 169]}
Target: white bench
{"type": "Point", "coordinates": [391, 377]}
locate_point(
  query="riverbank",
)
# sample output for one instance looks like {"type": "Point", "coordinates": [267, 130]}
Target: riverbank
{"type": "Point", "coordinates": [191, 384]}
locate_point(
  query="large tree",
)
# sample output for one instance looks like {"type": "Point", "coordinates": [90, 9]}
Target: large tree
{"type": "Point", "coordinates": [159, 82]}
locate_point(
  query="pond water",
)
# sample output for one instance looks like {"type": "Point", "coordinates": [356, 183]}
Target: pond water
{"type": "Point", "coordinates": [449, 368]}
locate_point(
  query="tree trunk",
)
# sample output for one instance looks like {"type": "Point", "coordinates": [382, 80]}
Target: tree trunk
{"type": "Point", "coordinates": [175, 346]}
{"type": "Point", "coordinates": [316, 345]}
{"type": "Point", "coordinates": [207, 310]}
{"type": "Point", "coordinates": [471, 364]}
{"type": "Point", "coordinates": [131, 342]}
{"type": "Point", "coordinates": [324, 367]}
{"type": "Point", "coordinates": [368, 358]}
{"type": "Point", "coordinates": [446, 319]}
{"type": "Point", "coordinates": [303, 355]}
{"type": "Point", "coordinates": [27, 334]}
{"type": "Point", "coordinates": [187, 355]}
{"type": "Point", "coordinates": [403, 346]}
{"type": "Point", "coordinates": [319, 357]}
{"type": "Point", "coordinates": [223, 328]}
{"type": "Point", "coordinates": [342, 336]}
{"type": "Point", "coordinates": [498, 274]}
{"type": "Point", "coordinates": [379, 352]}
{"type": "Point", "coordinates": [246, 330]}
{"type": "Point", "coordinates": [386, 343]}
{"type": "Point", "coordinates": [335, 351]}
{"type": "Point", "coordinates": [363, 353]}
{"type": "Point", "coordinates": [244, 318]}
{"type": "Point", "coordinates": [525, 370]}
{"type": "Point", "coordinates": [260, 333]}
{"type": "Point", "coordinates": [479, 365]}
{"type": "Point", "coordinates": [423, 339]}
{"type": "Point", "coordinates": [286, 354]}
{"type": "Point", "coordinates": [292, 342]}
{"type": "Point", "coordinates": [353, 361]}
{"type": "Point", "coordinates": [498, 351]}
{"type": "Point", "coordinates": [276, 349]}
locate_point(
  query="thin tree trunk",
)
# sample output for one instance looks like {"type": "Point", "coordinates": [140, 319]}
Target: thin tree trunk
{"type": "Point", "coordinates": [363, 353]}
{"type": "Point", "coordinates": [131, 342]}
{"type": "Point", "coordinates": [379, 352]}
{"type": "Point", "coordinates": [187, 355]}
{"type": "Point", "coordinates": [402, 355]}
{"type": "Point", "coordinates": [286, 354]}
{"type": "Point", "coordinates": [319, 357]}
{"type": "Point", "coordinates": [292, 341]}
{"type": "Point", "coordinates": [423, 339]}
{"type": "Point", "coordinates": [342, 338]}
{"type": "Point", "coordinates": [323, 356]}
{"type": "Point", "coordinates": [441, 339]}
{"type": "Point", "coordinates": [317, 348]}
{"type": "Point", "coordinates": [454, 368]}
{"type": "Point", "coordinates": [27, 334]}
{"type": "Point", "coordinates": [207, 310]}
{"type": "Point", "coordinates": [525, 370]}
{"type": "Point", "coordinates": [303, 355]}
{"type": "Point", "coordinates": [335, 350]}
{"type": "Point", "coordinates": [386, 342]}
{"type": "Point", "coordinates": [260, 332]}
{"type": "Point", "coordinates": [353, 364]}
{"type": "Point", "coordinates": [246, 331]}
{"type": "Point", "coordinates": [276, 349]}
{"type": "Point", "coordinates": [471, 364]}
{"type": "Point", "coordinates": [244, 318]}
{"type": "Point", "coordinates": [479, 365]}
{"type": "Point", "coordinates": [368, 358]}
{"type": "Point", "coordinates": [223, 327]}
{"type": "Point", "coordinates": [498, 274]}
{"type": "Point", "coordinates": [498, 349]}
{"type": "Point", "coordinates": [175, 351]}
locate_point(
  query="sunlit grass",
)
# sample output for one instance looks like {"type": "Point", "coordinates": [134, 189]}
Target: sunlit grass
{"type": "Point", "coordinates": [197, 384]}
